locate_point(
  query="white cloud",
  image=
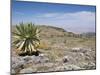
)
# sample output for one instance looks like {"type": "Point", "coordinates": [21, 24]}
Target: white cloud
{"type": "Point", "coordinates": [47, 15]}
{"type": "Point", "coordinates": [83, 21]}
{"type": "Point", "coordinates": [73, 16]}
{"type": "Point", "coordinates": [50, 15]}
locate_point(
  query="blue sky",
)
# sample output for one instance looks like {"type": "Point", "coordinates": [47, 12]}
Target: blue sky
{"type": "Point", "coordinates": [75, 18]}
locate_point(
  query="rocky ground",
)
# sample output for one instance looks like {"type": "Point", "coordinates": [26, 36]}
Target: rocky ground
{"type": "Point", "coordinates": [73, 59]}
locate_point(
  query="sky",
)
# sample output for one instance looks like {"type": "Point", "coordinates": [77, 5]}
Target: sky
{"type": "Point", "coordinates": [74, 18]}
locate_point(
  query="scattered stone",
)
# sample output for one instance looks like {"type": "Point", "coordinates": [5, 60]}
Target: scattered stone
{"type": "Point", "coordinates": [17, 63]}
{"type": "Point", "coordinates": [27, 58]}
{"type": "Point", "coordinates": [27, 70]}
{"type": "Point", "coordinates": [41, 55]}
{"type": "Point", "coordinates": [76, 49]}
{"type": "Point", "coordinates": [17, 67]}
{"type": "Point", "coordinates": [74, 67]}
{"type": "Point", "coordinates": [65, 59]}
{"type": "Point", "coordinates": [67, 67]}
{"type": "Point", "coordinates": [13, 71]}
{"type": "Point", "coordinates": [90, 66]}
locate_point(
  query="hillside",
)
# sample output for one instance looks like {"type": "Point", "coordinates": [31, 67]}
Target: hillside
{"type": "Point", "coordinates": [60, 51]}
{"type": "Point", "coordinates": [50, 31]}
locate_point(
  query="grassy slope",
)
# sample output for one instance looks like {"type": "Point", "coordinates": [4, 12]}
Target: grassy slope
{"type": "Point", "coordinates": [56, 43]}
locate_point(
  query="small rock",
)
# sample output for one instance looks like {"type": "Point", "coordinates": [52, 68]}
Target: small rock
{"type": "Point", "coordinates": [65, 59]}
{"type": "Point", "coordinates": [27, 58]}
{"type": "Point", "coordinates": [89, 66]}
{"type": "Point", "coordinates": [41, 55]}
{"type": "Point", "coordinates": [27, 70]}
{"type": "Point", "coordinates": [13, 71]}
{"type": "Point", "coordinates": [67, 67]}
{"type": "Point", "coordinates": [17, 64]}
{"type": "Point", "coordinates": [76, 49]}
{"type": "Point", "coordinates": [81, 54]}
{"type": "Point", "coordinates": [74, 67]}
{"type": "Point", "coordinates": [40, 59]}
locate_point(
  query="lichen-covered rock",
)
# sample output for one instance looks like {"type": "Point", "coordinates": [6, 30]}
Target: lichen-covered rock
{"type": "Point", "coordinates": [89, 66]}
{"type": "Point", "coordinates": [67, 67]}
{"type": "Point", "coordinates": [39, 59]}
{"type": "Point", "coordinates": [17, 64]}
{"type": "Point", "coordinates": [27, 58]}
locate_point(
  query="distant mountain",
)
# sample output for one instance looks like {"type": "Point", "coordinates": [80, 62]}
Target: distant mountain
{"type": "Point", "coordinates": [88, 34]}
